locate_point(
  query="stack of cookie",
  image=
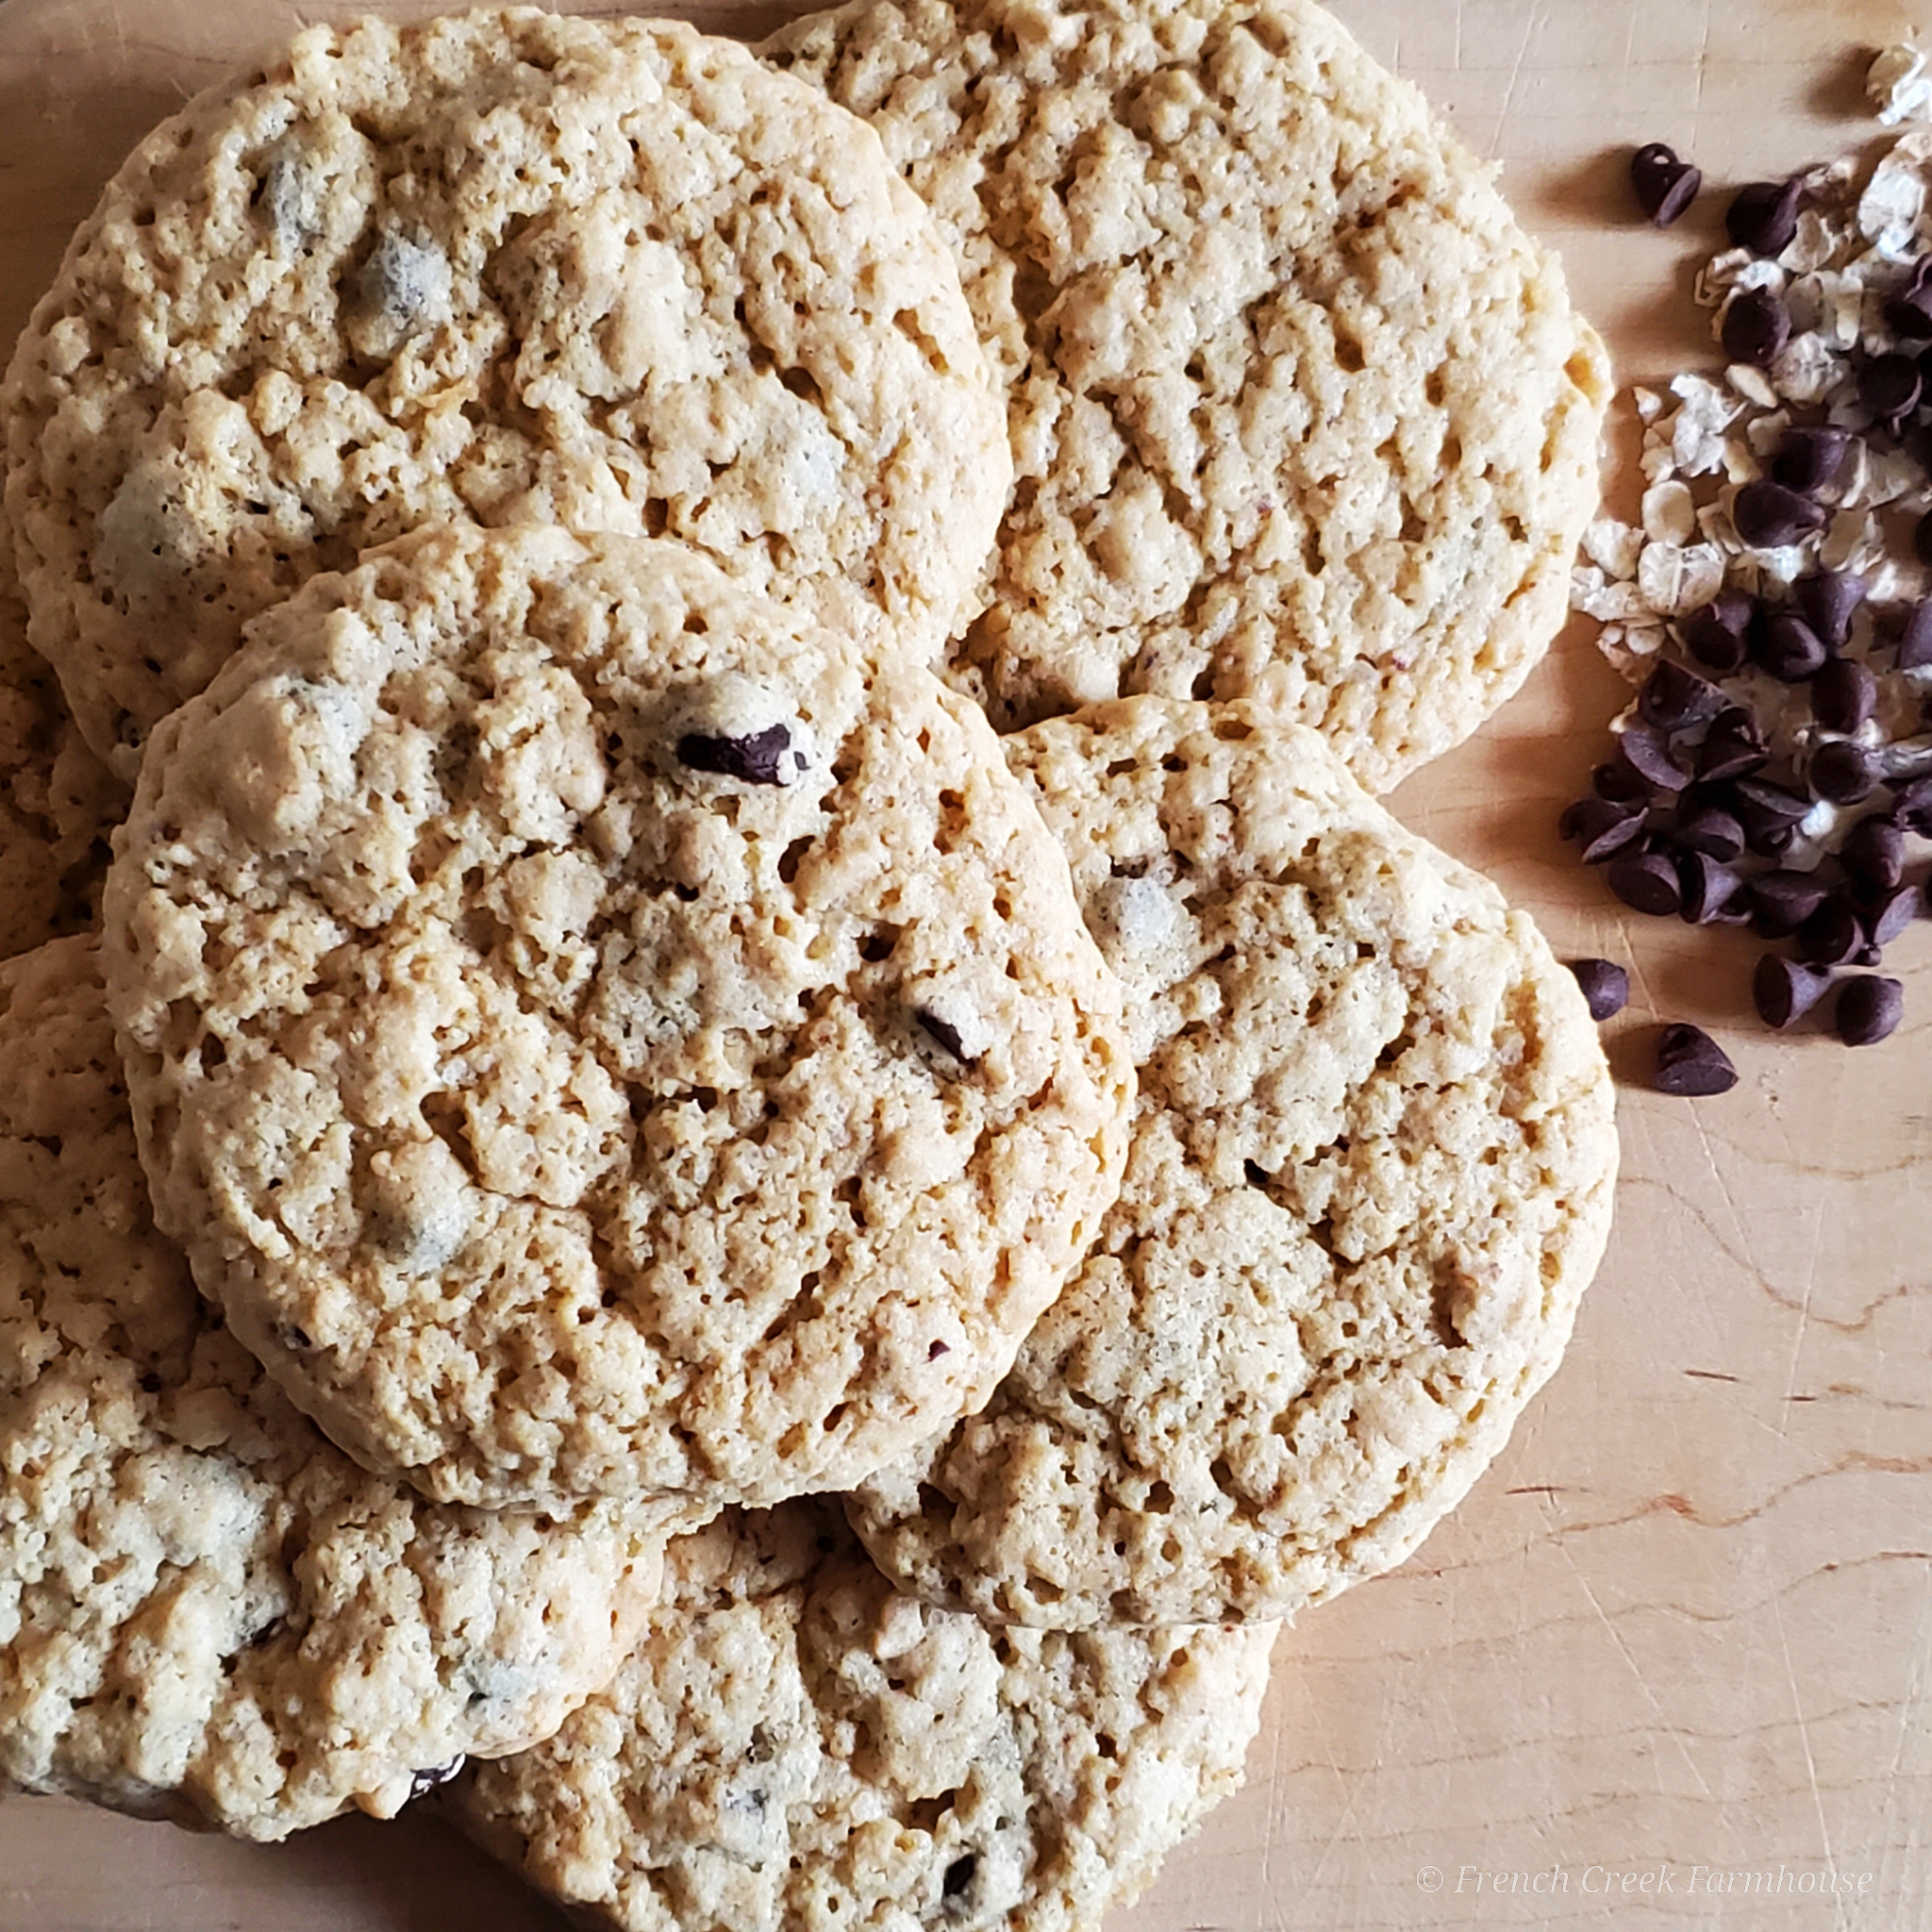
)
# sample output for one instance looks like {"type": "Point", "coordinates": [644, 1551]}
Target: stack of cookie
{"type": "Point", "coordinates": [613, 1184]}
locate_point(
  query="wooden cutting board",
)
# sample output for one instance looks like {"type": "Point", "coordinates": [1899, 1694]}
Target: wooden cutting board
{"type": "Point", "coordinates": [1672, 1663]}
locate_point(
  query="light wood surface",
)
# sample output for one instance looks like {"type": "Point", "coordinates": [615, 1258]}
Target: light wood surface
{"type": "Point", "coordinates": [1682, 1632]}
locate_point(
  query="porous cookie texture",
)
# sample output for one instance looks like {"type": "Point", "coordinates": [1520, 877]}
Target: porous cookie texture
{"type": "Point", "coordinates": [1292, 399]}
{"type": "Point", "coordinates": [797, 1747]}
{"type": "Point", "coordinates": [59, 804]}
{"type": "Point", "coordinates": [207, 1611]}
{"type": "Point", "coordinates": [597, 1033]}
{"type": "Point", "coordinates": [1371, 1174]}
{"type": "Point", "coordinates": [502, 267]}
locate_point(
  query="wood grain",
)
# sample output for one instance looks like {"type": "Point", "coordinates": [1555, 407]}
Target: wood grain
{"type": "Point", "coordinates": [1681, 1636]}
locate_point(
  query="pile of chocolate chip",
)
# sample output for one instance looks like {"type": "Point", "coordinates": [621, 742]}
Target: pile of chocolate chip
{"type": "Point", "coordinates": [1706, 810]}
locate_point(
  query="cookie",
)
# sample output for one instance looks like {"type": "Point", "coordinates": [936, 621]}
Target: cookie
{"type": "Point", "coordinates": [597, 1032]}
{"type": "Point", "coordinates": [1371, 1173]}
{"type": "Point", "coordinates": [59, 804]}
{"type": "Point", "coordinates": [498, 267]}
{"type": "Point", "coordinates": [1293, 401]}
{"type": "Point", "coordinates": [207, 1611]}
{"type": "Point", "coordinates": [796, 1746]}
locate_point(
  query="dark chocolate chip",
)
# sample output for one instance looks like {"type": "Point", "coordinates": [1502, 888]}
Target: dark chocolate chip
{"type": "Point", "coordinates": [1874, 853]}
{"type": "Point", "coordinates": [1844, 694]}
{"type": "Point", "coordinates": [1763, 215]}
{"type": "Point", "coordinates": [1766, 836]}
{"type": "Point", "coordinates": [1887, 916]}
{"type": "Point", "coordinates": [946, 1034]}
{"type": "Point", "coordinates": [1603, 829]}
{"type": "Point", "coordinates": [1708, 887]}
{"type": "Point", "coordinates": [437, 1775]}
{"type": "Point", "coordinates": [1890, 387]}
{"type": "Point", "coordinates": [957, 1877]}
{"type": "Point", "coordinates": [1869, 1008]}
{"type": "Point", "coordinates": [1790, 650]}
{"type": "Point", "coordinates": [1690, 1064]}
{"type": "Point", "coordinates": [1673, 699]}
{"type": "Point", "coordinates": [1844, 771]}
{"type": "Point", "coordinates": [1786, 989]}
{"type": "Point", "coordinates": [757, 758]}
{"type": "Point", "coordinates": [1828, 600]}
{"type": "Point", "coordinates": [1646, 752]}
{"type": "Point", "coordinates": [1911, 806]}
{"type": "Point", "coordinates": [1647, 881]}
{"type": "Point", "coordinates": [1755, 327]}
{"type": "Point", "coordinates": [1915, 639]}
{"type": "Point", "coordinates": [1766, 514]}
{"type": "Point", "coordinates": [1782, 901]}
{"type": "Point", "coordinates": [1921, 538]}
{"type": "Point", "coordinates": [1665, 185]}
{"type": "Point", "coordinates": [1774, 801]}
{"type": "Point", "coordinates": [1833, 934]}
{"type": "Point", "coordinates": [1605, 987]}
{"type": "Point", "coordinates": [1808, 458]}
{"type": "Point", "coordinates": [1909, 317]}
{"type": "Point", "coordinates": [1621, 783]}
{"type": "Point", "coordinates": [1732, 746]}
{"type": "Point", "coordinates": [1717, 634]}
{"type": "Point", "coordinates": [1712, 830]}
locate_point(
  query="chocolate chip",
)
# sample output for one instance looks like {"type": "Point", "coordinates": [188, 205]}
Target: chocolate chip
{"type": "Point", "coordinates": [1604, 829]}
{"type": "Point", "coordinates": [1647, 881]}
{"type": "Point", "coordinates": [1912, 807]}
{"type": "Point", "coordinates": [1712, 830]}
{"type": "Point", "coordinates": [1869, 1009]}
{"type": "Point", "coordinates": [1766, 514]}
{"type": "Point", "coordinates": [1717, 634]}
{"type": "Point", "coordinates": [1915, 640]}
{"type": "Point", "coordinates": [1775, 801]}
{"type": "Point", "coordinates": [1808, 458]}
{"type": "Point", "coordinates": [1708, 888]}
{"type": "Point", "coordinates": [1690, 1064]}
{"type": "Point", "coordinates": [946, 1034]}
{"type": "Point", "coordinates": [1789, 650]}
{"type": "Point", "coordinates": [1763, 215]}
{"type": "Point", "coordinates": [1755, 327]}
{"type": "Point", "coordinates": [1909, 317]}
{"type": "Point", "coordinates": [1887, 916]}
{"type": "Point", "coordinates": [1665, 186]}
{"type": "Point", "coordinates": [1621, 783]}
{"type": "Point", "coordinates": [1833, 934]}
{"type": "Point", "coordinates": [1890, 387]}
{"type": "Point", "coordinates": [1673, 699]}
{"type": "Point", "coordinates": [1844, 694]}
{"type": "Point", "coordinates": [1605, 987]}
{"type": "Point", "coordinates": [957, 1877]}
{"type": "Point", "coordinates": [1844, 771]}
{"type": "Point", "coordinates": [1874, 853]}
{"type": "Point", "coordinates": [1765, 835]}
{"type": "Point", "coordinates": [757, 758]}
{"type": "Point", "coordinates": [1782, 901]}
{"type": "Point", "coordinates": [1828, 600]}
{"type": "Point", "coordinates": [1786, 989]}
{"type": "Point", "coordinates": [1733, 745]}
{"type": "Point", "coordinates": [437, 1775]}
{"type": "Point", "coordinates": [1645, 750]}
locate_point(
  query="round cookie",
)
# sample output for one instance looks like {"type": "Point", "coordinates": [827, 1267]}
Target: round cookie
{"type": "Point", "coordinates": [795, 1746]}
{"type": "Point", "coordinates": [1293, 401]}
{"type": "Point", "coordinates": [207, 1611]}
{"type": "Point", "coordinates": [59, 804]}
{"type": "Point", "coordinates": [597, 1032]}
{"type": "Point", "coordinates": [1371, 1173]}
{"type": "Point", "coordinates": [498, 267]}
